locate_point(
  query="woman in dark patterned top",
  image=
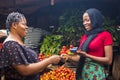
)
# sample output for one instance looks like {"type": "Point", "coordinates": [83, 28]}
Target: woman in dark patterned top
{"type": "Point", "coordinates": [18, 61]}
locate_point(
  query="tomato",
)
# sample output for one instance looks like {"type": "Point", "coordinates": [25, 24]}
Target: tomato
{"type": "Point", "coordinates": [71, 46]}
{"type": "Point", "coordinates": [64, 47]}
{"type": "Point", "coordinates": [61, 73]}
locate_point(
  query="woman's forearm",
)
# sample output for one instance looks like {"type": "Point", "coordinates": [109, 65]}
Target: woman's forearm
{"type": "Point", "coordinates": [104, 60]}
{"type": "Point", "coordinates": [33, 68]}
{"type": "Point", "coordinates": [74, 58]}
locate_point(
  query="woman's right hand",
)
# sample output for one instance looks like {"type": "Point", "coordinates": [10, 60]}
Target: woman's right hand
{"type": "Point", "coordinates": [65, 57]}
{"type": "Point", "coordinates": [55, 59]}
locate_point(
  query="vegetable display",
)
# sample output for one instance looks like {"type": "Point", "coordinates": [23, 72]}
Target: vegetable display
{"type": "Point", "coordinates": [61, 73]}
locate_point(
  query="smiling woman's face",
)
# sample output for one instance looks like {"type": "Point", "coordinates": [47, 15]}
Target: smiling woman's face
{"type": "Point", "coordinates": [21, 28]}
{"type": "Point", "coordinates": [87, 22]}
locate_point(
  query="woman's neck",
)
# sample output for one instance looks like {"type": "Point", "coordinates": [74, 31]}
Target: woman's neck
{"type": "Point", "coordinates": [14, 37]}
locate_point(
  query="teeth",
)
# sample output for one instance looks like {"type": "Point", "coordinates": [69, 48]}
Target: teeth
{"type": "Point", "coordinates": [86, 27]}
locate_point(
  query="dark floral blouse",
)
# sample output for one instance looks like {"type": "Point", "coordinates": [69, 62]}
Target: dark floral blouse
{"type": "Point", "coordinates": [13, 53]}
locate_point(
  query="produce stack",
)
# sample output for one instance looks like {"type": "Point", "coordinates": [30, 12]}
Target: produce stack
{"type": "Point", "coordinates": [66, 50]}
{"type": "Point", "coordinates": [63, 50]}
{"type": "Point", "coordinates": [57, 72]}
{"type": "Point", "coordinates": [61, 73]}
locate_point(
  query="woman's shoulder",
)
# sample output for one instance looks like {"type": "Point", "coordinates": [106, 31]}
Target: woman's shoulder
{"type": "Point", "coordinates": [11, 44]}
{"type": "Point", "coordinates": [105, 33]}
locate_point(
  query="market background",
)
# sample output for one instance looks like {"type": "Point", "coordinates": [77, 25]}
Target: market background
{"type": "Point", "coordinates": [56, 23]}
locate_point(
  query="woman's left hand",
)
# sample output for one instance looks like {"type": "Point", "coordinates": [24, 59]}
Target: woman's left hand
{"type": "Point", "coordinates": [81, 53]}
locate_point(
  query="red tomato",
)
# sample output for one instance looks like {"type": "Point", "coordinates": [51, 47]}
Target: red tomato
{"type": "Point", "coordinates": [71, 46]}
{"type": "Point", "coordinates": [64, 47]}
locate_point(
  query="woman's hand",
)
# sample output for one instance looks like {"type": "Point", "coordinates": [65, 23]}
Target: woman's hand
{"type": "Point", "coordinates": [64, 57]}
{"type": "Point", "coordinates": [81, 52]}
{"type": "Point", "coordinates": [55, 59]}
{"type": "Point", "coordinates": [2, 33]}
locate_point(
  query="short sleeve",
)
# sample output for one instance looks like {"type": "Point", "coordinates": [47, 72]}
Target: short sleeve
{"type": "Point", "coordinates": [17, 55]}
{"type": "Point", "coordinates": [13, 54]}
{"type": "Point", "coordinates": [108, 38]}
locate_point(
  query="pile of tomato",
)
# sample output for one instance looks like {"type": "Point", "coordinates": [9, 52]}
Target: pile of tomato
{"type": "Point", "coordinates": [61, 73]}
{"type": "Point", "coordinates": [65, 50]}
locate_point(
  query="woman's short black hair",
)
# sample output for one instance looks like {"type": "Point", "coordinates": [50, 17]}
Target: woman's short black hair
{"type": "Point", "coordinates": [13, 17]}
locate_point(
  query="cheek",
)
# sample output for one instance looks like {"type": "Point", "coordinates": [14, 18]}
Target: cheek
{"type": "Point", "coordinates": [22, 31]}
{"type": "Point", "coordinates": [23, 28]}
{"type": "Point", "coordinates": [90, 28]}
{"type": "Point", "coordinates": [84, 23]}
{"type": "Point", "coordinates": [89, 24]}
